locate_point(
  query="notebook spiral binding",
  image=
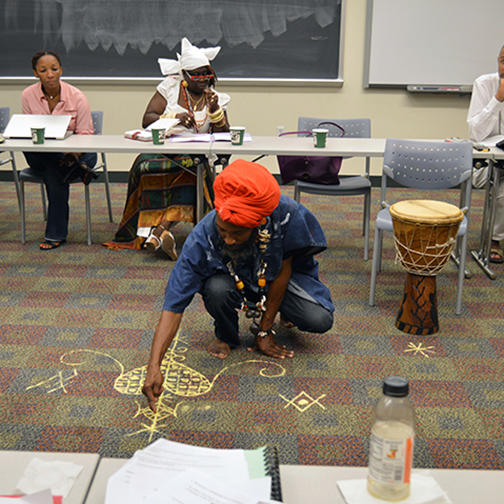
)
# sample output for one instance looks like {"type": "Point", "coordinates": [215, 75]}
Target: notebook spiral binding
{"type": "Point", "coordinates": [271, 462]}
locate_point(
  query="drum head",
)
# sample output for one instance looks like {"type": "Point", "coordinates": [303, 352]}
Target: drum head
{"type": "Point", "coordinates": [426, 211]}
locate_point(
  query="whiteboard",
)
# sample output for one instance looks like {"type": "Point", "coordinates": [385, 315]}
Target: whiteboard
{"type": "Point", "coordinates": [437, 42]}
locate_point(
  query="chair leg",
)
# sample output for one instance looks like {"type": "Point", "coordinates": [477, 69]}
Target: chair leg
{"type": "Point", "coordinates": [44, 200]}
{"type": "Point", "coordinates": [22, 211]}
{"type": "Point", "coordinates": [107, 192]}
{"type": "Point", "coordinates": [367, 214]}
{"type": "Point", "coordinates": [297, 192]}
{"type": "Point", "coordinates": [88, 213]}
{"type": "Point", "coordinates": [374, 266]}
{"type": "Point", "coordinates": [16, 180]}
{"type": "Point", "coordinates": [461, 274]}
{"type": "Point", "coordinates": [380, 248]}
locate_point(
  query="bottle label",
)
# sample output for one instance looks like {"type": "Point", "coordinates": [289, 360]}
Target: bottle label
{"type": "Point", "coordinates": [390, 461]}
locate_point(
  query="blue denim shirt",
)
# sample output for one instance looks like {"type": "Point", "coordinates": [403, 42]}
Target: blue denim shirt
{"type": "Point", "coordinates": [295, 232]}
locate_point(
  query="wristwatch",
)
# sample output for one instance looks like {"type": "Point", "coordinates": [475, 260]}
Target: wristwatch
{"type": "Point", "coordinates": [263, 334]}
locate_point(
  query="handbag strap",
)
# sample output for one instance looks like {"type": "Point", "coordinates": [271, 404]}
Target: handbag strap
{"type": "Point", "coordinates": [333, 124]}
{"type": "Point", "coordinates": [309, 133]}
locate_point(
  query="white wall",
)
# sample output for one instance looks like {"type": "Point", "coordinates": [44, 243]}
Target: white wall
{"type": "Point", "coordinates": [393, 113]}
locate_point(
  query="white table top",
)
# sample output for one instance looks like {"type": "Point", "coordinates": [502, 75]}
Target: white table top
{"type": "Point", "coordinates": [267, 145]}
{"type": "Point", "coordinates": [292, 145]}
{"type": "Point", "coordinates": [317, 484]}
{"type": "Point", "coordinates": [13, 464]}
{"type": "Point", "coordinates": [102, 143]}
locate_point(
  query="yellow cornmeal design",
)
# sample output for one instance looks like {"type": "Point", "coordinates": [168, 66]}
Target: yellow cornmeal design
{"type": "Point", "coordinates": [419, 348]}
{"type": "Point", "coordinates": [181, 381]}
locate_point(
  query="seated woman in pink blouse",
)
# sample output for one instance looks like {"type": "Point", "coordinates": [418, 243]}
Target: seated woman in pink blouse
{"type": "Point", "coordinates": [52, 96]}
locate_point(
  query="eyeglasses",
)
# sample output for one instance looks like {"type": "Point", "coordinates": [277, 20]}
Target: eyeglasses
{"type": "Point", "coordinates": [197, 76]}
{"type": "Point", "coordinates": [201, 77]}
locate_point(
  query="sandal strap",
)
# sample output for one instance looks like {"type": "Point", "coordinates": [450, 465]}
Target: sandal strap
{"type": "Point", "coordinates": [153, 237]}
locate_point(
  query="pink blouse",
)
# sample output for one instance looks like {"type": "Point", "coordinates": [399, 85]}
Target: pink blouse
{"type": "Point", "coordinates": [72, 102]}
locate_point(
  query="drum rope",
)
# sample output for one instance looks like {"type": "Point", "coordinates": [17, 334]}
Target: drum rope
{"type": "Point", "coordinates": [424, 255]}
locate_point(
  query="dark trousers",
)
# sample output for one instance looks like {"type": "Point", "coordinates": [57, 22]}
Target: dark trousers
{"type": "Point", "coordinates": [222, 299]}
{"type": "Point", "coordinates": [47, 166]}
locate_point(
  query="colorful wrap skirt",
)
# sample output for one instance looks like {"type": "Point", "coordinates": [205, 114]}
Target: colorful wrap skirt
{"type": "Point", "coordinates": [160, 188]}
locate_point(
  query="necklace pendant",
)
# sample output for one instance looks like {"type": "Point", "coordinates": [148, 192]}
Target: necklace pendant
{"type": "Point", "coordinates": [261, 281]}
{"type": "Point", "coordinates": [261, 305]}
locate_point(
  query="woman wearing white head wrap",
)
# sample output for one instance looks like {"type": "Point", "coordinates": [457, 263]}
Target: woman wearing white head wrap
{"type": "Point", "coordinates": [161, 190]}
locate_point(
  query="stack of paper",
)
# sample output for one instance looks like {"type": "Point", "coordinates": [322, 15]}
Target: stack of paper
{"type": "Point", "coordinates": [168, 472]}
{"type": "Point", "coordinates": [492, 141]}
{"type": "Point", "coordinates": [218, 136]}
{"type": "Point", "coordinates": [145, 135]}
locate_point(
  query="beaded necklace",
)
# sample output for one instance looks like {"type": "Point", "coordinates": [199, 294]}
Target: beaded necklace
{"type": "Point", "coordinates": [197, 124]}
{"type": "Point", "coordinates": [254, 310]}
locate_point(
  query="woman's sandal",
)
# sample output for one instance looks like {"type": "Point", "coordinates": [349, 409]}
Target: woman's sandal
{"type": "Point", "coordinates": [165, 241]}
{"type": "Point", "coordinates": [496, 255]}
{"type": "Point", "coordinates": [51, 245]}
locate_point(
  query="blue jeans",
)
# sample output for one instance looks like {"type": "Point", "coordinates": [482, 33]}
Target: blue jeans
{"type": "Point", "coordinates": [47, 166]}
{"type": "Point", "coordinates": [222, 299]}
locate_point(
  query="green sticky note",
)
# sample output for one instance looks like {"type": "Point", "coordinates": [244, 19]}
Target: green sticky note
{"type": "Point", "coordinates": [256, 461]}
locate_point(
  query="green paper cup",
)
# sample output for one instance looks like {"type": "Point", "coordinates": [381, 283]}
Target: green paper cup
{"type": "Point", "coordinates": [158, 136]}
{"type": "Point", "coordinates": [237, 134]}
{"type": "Point", "coordinates": [320, 137]}
{"type": "Point", "coordinates": [38, 135]}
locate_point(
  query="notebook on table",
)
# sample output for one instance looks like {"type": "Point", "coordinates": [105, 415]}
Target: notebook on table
{"type": "Point", "coordinates": [20, 125]}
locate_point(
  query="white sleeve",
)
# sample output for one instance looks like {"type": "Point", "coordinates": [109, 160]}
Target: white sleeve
{"type": "Point", "coordinates": [224, 99]}
{"type": "Point", "coordinates": [483, 115]}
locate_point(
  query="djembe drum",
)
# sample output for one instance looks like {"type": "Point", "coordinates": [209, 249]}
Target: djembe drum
{"type": "Point", "coordinates": [425, 232]}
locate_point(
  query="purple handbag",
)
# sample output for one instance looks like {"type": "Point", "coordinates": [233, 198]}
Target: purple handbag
{"type": "Point", "coordinates": [317, 169]}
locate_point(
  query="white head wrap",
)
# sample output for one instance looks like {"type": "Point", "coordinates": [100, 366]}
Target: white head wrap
{"type": "Point", "coordinates": [192, 57]}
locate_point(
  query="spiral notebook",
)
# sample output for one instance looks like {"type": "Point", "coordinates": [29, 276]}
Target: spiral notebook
{"type": "Point", "coordinates": [262, 462]}
{"type": "Point", "coordinates": [235, 475]}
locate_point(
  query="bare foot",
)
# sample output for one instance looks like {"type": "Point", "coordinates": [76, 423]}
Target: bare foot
{"type": "Point", "coordinates": [219, 349]}
{"type": "Point", "coordinates": [269, 347]}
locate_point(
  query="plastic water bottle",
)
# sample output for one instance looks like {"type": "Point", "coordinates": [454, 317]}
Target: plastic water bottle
{"type": "Point", "coordinates": [391, 443]}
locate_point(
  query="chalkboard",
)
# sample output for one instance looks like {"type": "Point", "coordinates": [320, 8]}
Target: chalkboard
{"type": "Point", "coordinates": [438, 42]}
{"type": "Point", "coordinates": [122, 39]}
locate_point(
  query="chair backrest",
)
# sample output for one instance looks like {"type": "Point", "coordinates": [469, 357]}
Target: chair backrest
{"type": "Point", "coordinates": [4, 118]}
{"type": "Point", "coordinates": [97, 116]}
{"type": "Point", "coordinates": [356, 128]}
{"type": "Point", "coordinates": [427, 164]}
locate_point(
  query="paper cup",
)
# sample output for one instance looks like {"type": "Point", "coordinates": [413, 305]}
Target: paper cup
{"type": "Point", "coordinates": [237, 134]}
{"type": "Point", "coordinates": [320, 137]}
{"type": "Point", "coordinates": [38, 135]}
{"type": "Point", "coordinates": [158, 136]}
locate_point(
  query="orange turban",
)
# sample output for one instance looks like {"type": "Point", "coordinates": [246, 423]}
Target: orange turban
{"type": "Point", "coordinates": [245, 193]}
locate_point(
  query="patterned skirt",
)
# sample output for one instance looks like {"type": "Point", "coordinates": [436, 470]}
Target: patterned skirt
{"type": "Point", "coordinates": [160, 188]}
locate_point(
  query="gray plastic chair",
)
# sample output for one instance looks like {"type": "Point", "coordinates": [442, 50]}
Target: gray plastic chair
{"type": "Point", "coordinates": [348, 186]}
{"type": "Point", "coordinates": [8, 157]}
{"type": "Point", "coordinates": [29, 175]}
{"type": "Point", "coordinates": [425, 165]}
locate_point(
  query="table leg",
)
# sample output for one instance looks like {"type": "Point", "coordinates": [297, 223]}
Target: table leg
{"type": "Point", "coordinates": [199, 189]}
{"type": "Point", "coordinates": [482, 255]}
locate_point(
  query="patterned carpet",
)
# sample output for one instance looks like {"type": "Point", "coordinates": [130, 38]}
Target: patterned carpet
{"type": "Point", "coordinates": [76, 326]}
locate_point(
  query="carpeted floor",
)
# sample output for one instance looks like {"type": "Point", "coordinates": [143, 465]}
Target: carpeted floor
{"type": "Point", "coordinates": [76, 326]}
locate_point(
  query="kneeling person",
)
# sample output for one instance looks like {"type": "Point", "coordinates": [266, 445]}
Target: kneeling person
{"type": "Point", "coordinates": [253, 252]}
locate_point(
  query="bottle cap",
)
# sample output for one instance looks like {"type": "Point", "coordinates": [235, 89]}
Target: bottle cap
{"type": "Point", "coordinates": [395, 386]}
